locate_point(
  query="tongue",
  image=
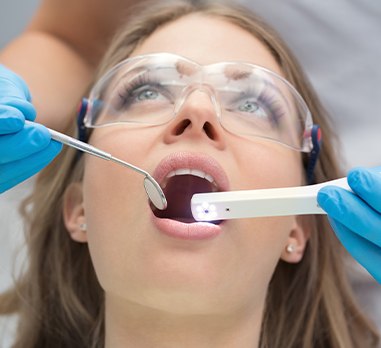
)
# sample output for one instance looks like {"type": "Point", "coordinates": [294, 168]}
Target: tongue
{"type": "Point", "coordinates": [179, 192]}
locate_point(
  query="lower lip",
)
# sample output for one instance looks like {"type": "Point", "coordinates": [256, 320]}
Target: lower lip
{"type": "Point", "coordinates": [184, 231]}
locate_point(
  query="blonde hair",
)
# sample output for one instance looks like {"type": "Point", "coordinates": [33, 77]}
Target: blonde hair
{"type": "Point", "coordinates": [59, 300]}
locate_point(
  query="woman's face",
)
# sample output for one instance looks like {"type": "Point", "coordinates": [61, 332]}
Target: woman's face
{"type": "Point", "coordinates": [175, 266]}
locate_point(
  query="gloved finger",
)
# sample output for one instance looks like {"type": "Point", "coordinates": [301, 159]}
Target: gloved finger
{"type": "Point", "coordinates": [26, 168]}
{"type": "Point", "coordinates": [29, 172]}
{"type": "Point", "coordinates": [27, 109]}
{"type": "Point", "coordinates": [11, 119]}
{"type": "Point", "coordinates": [351, 211]}
{"type": "Point", "coordinates": [14, 92]}
{"type": "Point", "coordinates": [12, 84]}
{"type": "Point", "coordinates": [367, 184]}
{"type": "Point", "coordinates": [31, 139]}
{"type": "Point", "coordinates": [362, 250]}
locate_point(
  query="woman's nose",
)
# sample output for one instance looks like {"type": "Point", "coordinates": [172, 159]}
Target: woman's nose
{"type": "Point", "coordinates": [197, 118]}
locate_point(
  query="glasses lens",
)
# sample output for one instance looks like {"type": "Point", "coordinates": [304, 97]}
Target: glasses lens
{"type": "Point", "coordinates": [258, 103]}
{"type": "Point", "coordinates": [137, 92]}
{"type": "Point", "coordinates": [254, 101]}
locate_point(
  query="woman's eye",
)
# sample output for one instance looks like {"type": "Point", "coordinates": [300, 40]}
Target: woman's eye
{"type": "Point", "coordinates": [253, 107]}
{"type": "Point", "coordinates": [249, 106]}
{"type": "Point", "coordinates": [127, 97]}
{"type": "Point", "coordinates": [148, 94]}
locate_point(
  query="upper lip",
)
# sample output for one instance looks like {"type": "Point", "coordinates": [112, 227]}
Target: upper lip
{"type": "Point", "coordinates": [188, 160]}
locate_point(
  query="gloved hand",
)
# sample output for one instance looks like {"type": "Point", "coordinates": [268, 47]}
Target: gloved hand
{"type": "Point", "coordinates": [24, 149]}
{"type": "Point", "coordinates": [356, 217]}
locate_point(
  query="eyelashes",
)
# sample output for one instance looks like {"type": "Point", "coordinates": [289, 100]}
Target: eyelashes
{"type": "Point", "coordinates": [266, 106]}
{"type": "Point", "coordinates": [130, 92]}
{"type": "Point", "coordinates": [148, 89]}
{"type": "Point", "coordinates": [272, 103]}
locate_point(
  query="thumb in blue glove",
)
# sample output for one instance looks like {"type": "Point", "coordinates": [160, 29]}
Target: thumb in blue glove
{"type": "Point", "coordinates": [24, 149]}
{"type": "Point", "coordinates": [356, 217]}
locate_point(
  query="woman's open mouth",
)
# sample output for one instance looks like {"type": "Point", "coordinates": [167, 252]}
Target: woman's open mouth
{"type": "Point", "coordinates": [179, 187]}
{"type": "Point", "coordinates": [181, 175]}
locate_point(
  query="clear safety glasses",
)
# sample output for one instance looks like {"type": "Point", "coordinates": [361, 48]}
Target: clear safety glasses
{"type": "Point", "coordinates": [248, 100]}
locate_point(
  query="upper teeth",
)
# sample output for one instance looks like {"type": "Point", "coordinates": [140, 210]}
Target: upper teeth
{"type": "Point", "coordinates": [186, 171]}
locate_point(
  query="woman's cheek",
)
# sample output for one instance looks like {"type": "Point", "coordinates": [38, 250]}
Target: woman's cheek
{"type": "Point", "coordinates": [268, 165]}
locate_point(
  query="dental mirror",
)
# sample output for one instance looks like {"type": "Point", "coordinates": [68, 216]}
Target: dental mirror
{"type": "Point", "coordinates": [155, 193]}
{"type": "Point", "coordinates": [152, 188]}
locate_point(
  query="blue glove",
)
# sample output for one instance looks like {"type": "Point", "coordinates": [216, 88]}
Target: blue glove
{"type": "Point", "coordinates": [356, 217]}
{"type": "Point", "coordinates": [24, 149]}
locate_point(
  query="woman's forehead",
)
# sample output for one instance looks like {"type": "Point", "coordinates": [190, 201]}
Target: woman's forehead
{"type": "Point", "coordinates": [206, 40]}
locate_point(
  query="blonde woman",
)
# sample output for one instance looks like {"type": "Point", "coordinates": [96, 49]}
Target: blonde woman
{"type": "Point", "coordinates": [204, 87]}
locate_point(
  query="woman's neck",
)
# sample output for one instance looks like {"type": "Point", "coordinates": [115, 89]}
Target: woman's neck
{"type": "Point", "coordinates": [133, 325]}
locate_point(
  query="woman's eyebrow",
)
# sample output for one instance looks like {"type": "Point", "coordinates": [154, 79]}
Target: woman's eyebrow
{"type": "Point", "coordinates": [235, 74]}
{"type": "Point", "coordinates": [184, 68]}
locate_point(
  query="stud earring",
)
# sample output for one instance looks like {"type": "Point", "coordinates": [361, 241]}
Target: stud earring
{"type": "Point", "coordinates": [83, 227]}
{"type": "Point", "coordinates": [290, 248]}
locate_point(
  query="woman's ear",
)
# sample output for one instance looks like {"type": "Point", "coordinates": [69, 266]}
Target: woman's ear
{"type": "Point", "coordinates": [297, 240]}
{"type": "Point", "coordinates": [74, 212]}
